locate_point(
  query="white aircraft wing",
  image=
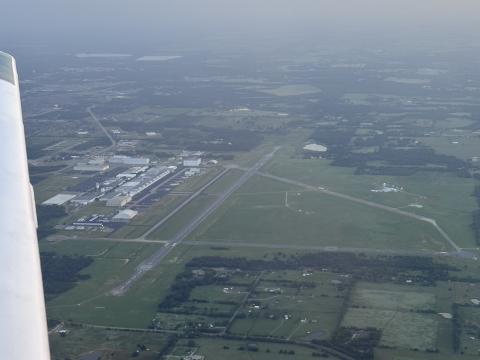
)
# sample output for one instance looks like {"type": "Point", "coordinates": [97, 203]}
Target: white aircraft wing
{"type": "Point", "coordinates": [23, 328]}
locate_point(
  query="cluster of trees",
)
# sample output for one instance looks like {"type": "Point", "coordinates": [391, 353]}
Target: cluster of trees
{"type": "Point", "coordinates": [399, 160]}
{"type": "Point", "coordinates": [168, 347]}
{"type": "Point", "coordinates": [242, 263]}
{"type": "Point", "coordinates": [179, 292]}
{"type": "Point", "coordinates": [47, 217]}
{"type": "Point", "coordinates": [421, 270]}
{"type": "Point", "coordinates": [35, 151]}
{"type": "Point", "coordinates": [358, 342]}
{"type": "Point", "coordinates": [61, 272]}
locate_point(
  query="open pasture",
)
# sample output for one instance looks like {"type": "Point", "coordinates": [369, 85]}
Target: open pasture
{"type": "Point", "coordinates": [315, 219]}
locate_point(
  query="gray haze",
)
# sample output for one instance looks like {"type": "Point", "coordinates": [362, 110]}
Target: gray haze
{"type": "Point", "coordinates": [120, 24]}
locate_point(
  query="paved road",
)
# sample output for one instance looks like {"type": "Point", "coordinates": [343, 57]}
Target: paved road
{"type": "Point", "coordinates": [54, 238]}
{"type": "Point", "coordinates": [104, 130]}
{"type": "Point", "coordinates": [159, 255]}
{"type": "Point", "coordinates": [112, 145]}
{"type": "Point", "coordinates": [182, 205]}
{"type": "Point", "coordinates": [368, 203]}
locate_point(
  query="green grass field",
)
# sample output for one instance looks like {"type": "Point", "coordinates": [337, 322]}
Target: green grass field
{"type": "Point", "coordinates": [222, 349]}
{"type": "Point", "coordinates": [90, 301]}
{"type": "Point", "coordinates": [406, 314]}
{"type": "Point", "coordinates": [399, 329]}
{"type": "Point", "coordinates": [393, 297]}
{"type": "Point", "coordinates": [275, 216]}
{"type": "Point", "coordinates": [425, 193]}
{"type": "Point", "coordinates": [462, 145]}
{"type": "Point", "coordinates": [52, 186]}
{"type": "Point", "coordinates": [110, 344]}
{"type": "Point", "coordinates": [180, 219]}
{"type": "Point", "coordinates": [197, 181]}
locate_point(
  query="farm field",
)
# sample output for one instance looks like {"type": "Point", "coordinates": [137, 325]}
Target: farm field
{"type": "Point", "coordinates": [408, 316]}
{"type": "Point", "coordinates": [399, 329]}
{"type": "Point", "coordinates": [279, 309]}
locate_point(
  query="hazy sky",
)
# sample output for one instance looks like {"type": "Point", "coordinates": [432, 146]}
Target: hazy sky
{"type": "Point", "coordinates": [123, 23]}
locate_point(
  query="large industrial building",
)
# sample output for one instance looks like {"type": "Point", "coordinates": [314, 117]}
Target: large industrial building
{"type": "Point", "coordinates": [124, 193]}
{"type": "Point", "coordinates": [192, 161]}
{"type": "Point", "coordinates": [59, 199]}
{"type": "Point", "coordinates": [119, 200]}
{"type": "Point", "coordinates": [125, 215]}
{"type": "Point", "coordinates": [86, 198]}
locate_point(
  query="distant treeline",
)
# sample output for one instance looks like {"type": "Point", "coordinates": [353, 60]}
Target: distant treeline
{"type": "Point", "coordinates": [61, 272]}
{"type": "Point", "coordinates": [399, 157]}
{"type": "Point", "coordinates": [421, 270]}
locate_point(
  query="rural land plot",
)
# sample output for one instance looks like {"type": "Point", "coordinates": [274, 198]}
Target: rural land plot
{"type": "Point", "coordinates": [399, 329]}
{"type": "Point", "coordinates": [407, 315]}
{"type": "Point", "coordinates": [53, 185]}
{"type": "Point", "coordinates": [109, 344]}
{"type": "Point", "coordinates": [301, 306]}
{"type": "Point", "coordinates": [220, 349]}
